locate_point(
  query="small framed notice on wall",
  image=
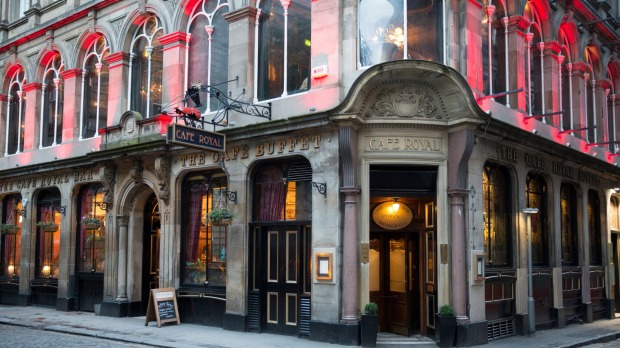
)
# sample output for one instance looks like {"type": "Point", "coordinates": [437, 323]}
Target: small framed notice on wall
{"type": "Point", "coordinates": [324, 265]}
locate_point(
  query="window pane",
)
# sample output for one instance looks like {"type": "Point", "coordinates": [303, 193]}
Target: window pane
{"type": "Point", "coordinates": [11, 242]}
{"type": "Point", "coordinates": [381, 26]}
{"type": "Point", "coordinates": [271, 51]}
{"type": "Point", "coordinates": [298, 47]}
{"type": "Point", "coordinates": [594, 228]}
{"type": "Point", "coordinates": [496, 198]}
{"type": "Point", "coordinates": [568, 207]}
{"type": "Point", "coordinates": [537, 198]}
{"type": "Point", "coordinates": [423, 31]}
{"type": "Point", "coordinates": [91, 239]}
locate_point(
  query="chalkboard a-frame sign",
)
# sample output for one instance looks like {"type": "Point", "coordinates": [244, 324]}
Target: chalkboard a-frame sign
{"type": "Point", "coordinates": [162, 307]}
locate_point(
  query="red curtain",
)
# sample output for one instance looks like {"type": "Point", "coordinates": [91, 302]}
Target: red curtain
{"type": "Point", "coordinates": [271, 190]}
{"type": "Point", "coordinates": [195, 210]}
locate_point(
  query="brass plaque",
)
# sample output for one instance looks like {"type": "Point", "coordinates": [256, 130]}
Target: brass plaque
{"type": "Point", "coordinates": [443, 253]}
{"type": "Point", "coordinates": [365, 252]}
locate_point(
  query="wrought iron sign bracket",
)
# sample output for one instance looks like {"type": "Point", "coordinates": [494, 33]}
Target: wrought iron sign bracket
{"type": "Point", "coordinates": [61, 209]}
{"type": "Point", "coordinates": [102, 206]}
{"type": "Point", "coordinates": [21, 212]}
{"type": "Point", "coordinates": [232, 196]}
{"type": "Point", "coordinates": [321, 187]}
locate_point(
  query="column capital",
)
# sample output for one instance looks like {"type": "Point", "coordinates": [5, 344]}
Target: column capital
{"type": "Point", "coordinates": [458, 192]}
{"type": "Point", "coordinates": [240, 14]}
{"type": "Point", "coordinates": [32, 87]}
{"type": "Point", "coordinates": [350, 190]}
{"type": "Point", "coordinates": [71, 73]}
{"type": "Point", "coordinates": [178, 38]}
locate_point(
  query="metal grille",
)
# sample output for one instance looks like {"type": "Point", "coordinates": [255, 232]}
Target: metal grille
{"type": "Point", "coordinates": [300, 172]}
{"type": "Point", "coordinates": [500, 328]}
{"type": "Point", "coordinates": [254, 311]}
{"type": "Point", "coordinates": [304, 316]}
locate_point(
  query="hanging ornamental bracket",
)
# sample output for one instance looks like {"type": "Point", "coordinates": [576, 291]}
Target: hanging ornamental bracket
{"type": "Point", "coordinates": [58, 208]}
{"type": "Point", "coordinates": [232, 196]}
{"type": "Point", "coordinates": [102, 206]}
{"type": "Point", "coordinates": [193, 117]}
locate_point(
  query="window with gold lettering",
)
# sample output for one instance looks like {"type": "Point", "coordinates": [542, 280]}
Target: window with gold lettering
{"type": "Point", "coordinates": [536, 197]}
{"type": "Point", "coordinates": [497, 217]}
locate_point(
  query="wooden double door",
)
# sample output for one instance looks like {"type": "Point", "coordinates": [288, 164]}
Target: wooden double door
{"type": "Point", "coordinates": [402, 274]}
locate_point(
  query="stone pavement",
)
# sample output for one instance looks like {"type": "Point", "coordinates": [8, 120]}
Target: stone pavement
{"type": "Point", "coordinates": [133, 330]}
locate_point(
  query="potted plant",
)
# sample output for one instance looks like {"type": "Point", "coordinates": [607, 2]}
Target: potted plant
{"type": "Point", "coordinates": [47, 226]}
{"type": "Point", "coordinates": [221, 216]}
{"type": "Point", "coordinates": [90, 222]}
{"type": "Point", "coordinates": [370, 325]}
{"type": "Point", "coordinates": [446, 325]}
{"type": "Point", "coordinates": [8, 229]}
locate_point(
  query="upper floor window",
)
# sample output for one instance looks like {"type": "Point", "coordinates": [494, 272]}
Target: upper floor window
{"type": "Point", "coordinates": [95, 77]}
{"type": "Point", "coordinates": [399, 29]}
{"type": "Point", "coordinates": [536, 197]}
{"type": "Point", "coordinates": [145, 68]}
{"type": "Point", "coordinates": [568, 211]}
{"type": "Point", "coordinates": [497, 217]}
{"type": "Point", "coordinates": [594, 228]}
{"type": "Point", "coordinates": [283, 53]}
{"type": "Point", "coordinates": [208, 52]}
{"type": "Point", "coordinates": [51, 110]}
{"type": "Point", "coordinates": [11, 238]}
{"type": "Point", "coordinates": [16, 114]}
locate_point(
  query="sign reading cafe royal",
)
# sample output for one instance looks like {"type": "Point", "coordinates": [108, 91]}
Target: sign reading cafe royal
{"type": "Point", "coordinates": [194, 137]}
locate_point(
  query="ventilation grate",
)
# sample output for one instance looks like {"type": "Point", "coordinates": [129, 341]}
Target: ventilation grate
{"type": "Point", "coordinates": [500, 328]}
{"type": "Point", "coordinates": [304, 316]}
{"type": "Point", "coordinates": [254, 311]}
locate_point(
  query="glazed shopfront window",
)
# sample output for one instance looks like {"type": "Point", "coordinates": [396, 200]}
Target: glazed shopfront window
{"type": "Point", "coordinates": [536, 196]}
{"type": "Point", "coordinates": [91, 230]}
{"type": "Point", "coordinates": [497, 217]}
{"type": "Point", "coordinates": [594, 228]}
{"type": "Point", "coordinates": [11, 236]}
{"type": "Point", "coordinates": [568, 209]}
{"type": "Point", "coordinates": [49, 213]}
{"type": "Point", "coordinates": [204, 238]}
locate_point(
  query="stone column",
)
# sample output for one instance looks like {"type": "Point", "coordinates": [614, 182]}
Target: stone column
{"type": "Point", "coordinates": [175, 45]}
{"type": "Point", "coordinates": [118, 69]}
{"type": "Point", "coordinates": [71, 106]}
{"type": "Point", "coordinates": [121, 291]}
{"type": "Point", "coordinates": [32, 101]}
{"type": "Point", "coordinates": [242, 33]}
{"type": "Point", "coordinates": [458, 253]}
{"type": "Point", "coordinates": [347, 138]}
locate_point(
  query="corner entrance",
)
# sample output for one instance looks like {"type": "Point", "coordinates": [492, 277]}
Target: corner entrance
{"type": "Point", "coordinates": [402, 248]}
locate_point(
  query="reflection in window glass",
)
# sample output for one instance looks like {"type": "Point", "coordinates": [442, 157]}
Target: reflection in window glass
{"type": "Point", "coordinates": [594, 228]}
{"type": "Point", "coordinates": [92, 230]}
{"type": "Point", "coordinates": [568, 210]}
{"type": "Point", "coordinates": [11, 239]}
{"type": "Point", "coordinates": [496, 205]}
{"type": "Point", "coordinates": [536, 196]}
{"type": "Point", "coordinates": [399, 29]}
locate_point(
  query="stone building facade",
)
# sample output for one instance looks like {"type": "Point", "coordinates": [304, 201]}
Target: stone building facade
{"type": "Point", "coordinates": [377, 151]}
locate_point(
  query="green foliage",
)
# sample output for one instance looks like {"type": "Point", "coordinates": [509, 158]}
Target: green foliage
{"type": "Point", "coordinates": [46, 225]}
{"type": "Point", "coordinates": [371, 308]}
{"type": "Point", "coordinates": [218, 214]}
{"type": "Point", "coordinates": [89, 219]}
{"type": "Point", "coordinates": [8, 228]}
{"type": "Point", "coordinates": [446, 311]}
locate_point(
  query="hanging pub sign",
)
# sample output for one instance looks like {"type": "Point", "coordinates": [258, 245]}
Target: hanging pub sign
{"type": "Point", "coordinates": [194, 137]}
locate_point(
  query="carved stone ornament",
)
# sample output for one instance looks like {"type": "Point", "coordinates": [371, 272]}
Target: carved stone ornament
{"type": "Point", "coordinates": [408, 102]}
{"type": "Point", "coordinates": [136, 172]}
{"type": "Point", "coordinates": [106, 174]}
{"type": "Point", "coordinates": [162, 169]}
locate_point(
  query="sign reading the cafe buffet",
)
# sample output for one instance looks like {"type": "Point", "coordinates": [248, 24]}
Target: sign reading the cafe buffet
{"type": "Point", "coordinates": [392, 215]}
{"type": "Point", "coordinates": [199, 138]}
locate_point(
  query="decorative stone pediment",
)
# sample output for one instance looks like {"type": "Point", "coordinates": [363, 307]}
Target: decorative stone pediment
{"type": "Point", "coordinates": [406, 100]}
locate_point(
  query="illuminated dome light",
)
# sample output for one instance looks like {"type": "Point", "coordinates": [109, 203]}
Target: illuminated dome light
{"type": "Point", "coordinates": [395, 205]}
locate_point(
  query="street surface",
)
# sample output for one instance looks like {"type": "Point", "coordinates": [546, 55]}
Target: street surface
{"type": "Point", "coordinates": [24, 337]}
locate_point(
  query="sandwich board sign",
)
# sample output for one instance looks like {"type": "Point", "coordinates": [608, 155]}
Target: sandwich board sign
{"type": "Point", "coordinates": [162, 307]}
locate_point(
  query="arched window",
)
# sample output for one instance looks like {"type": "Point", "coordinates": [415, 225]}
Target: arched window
{"type": "Point", "coordinates": [204, 242]}
{"type": "Point", "coordinates": [208, 51]}
{"type": "Point", "coordinates": [493, 42]}
{"type": "Point", "coordinates": [283, 193]}
{"type": "Point", "coordinates": [16, 114]}
{"type": "Point", "coordinates": [11, 237]}
{"type": "Point", "coordinates": [283, 53]}
{"type": "Point", "coordinates": [399, 29]}
{"type": "Point", "coordinates": [594, 228]}
{"type": "Point", "coordinates": [95, 78]}
{"type": "Point", "coordinates": [568, 211]}
{"type": "Point", "coordinates": [92, 230]}
{"type": "Point", "coordinates": [535, 102]}
{"type": "Point", "coordinates": [145, 68]}
{"type": "Point", "coordinates": [497, 216]}
{"type": "Point", "coordinates": [52, 103]}
{"type": "Point", "coordinates": [536, 197]}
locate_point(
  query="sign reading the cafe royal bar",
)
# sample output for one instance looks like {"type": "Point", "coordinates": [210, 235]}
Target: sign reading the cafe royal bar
{"type": "Point", "coordinates": [199, 138]}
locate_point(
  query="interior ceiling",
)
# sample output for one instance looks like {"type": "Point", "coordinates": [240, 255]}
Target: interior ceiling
{"type": "Point", "coordinates": [403, 181]}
